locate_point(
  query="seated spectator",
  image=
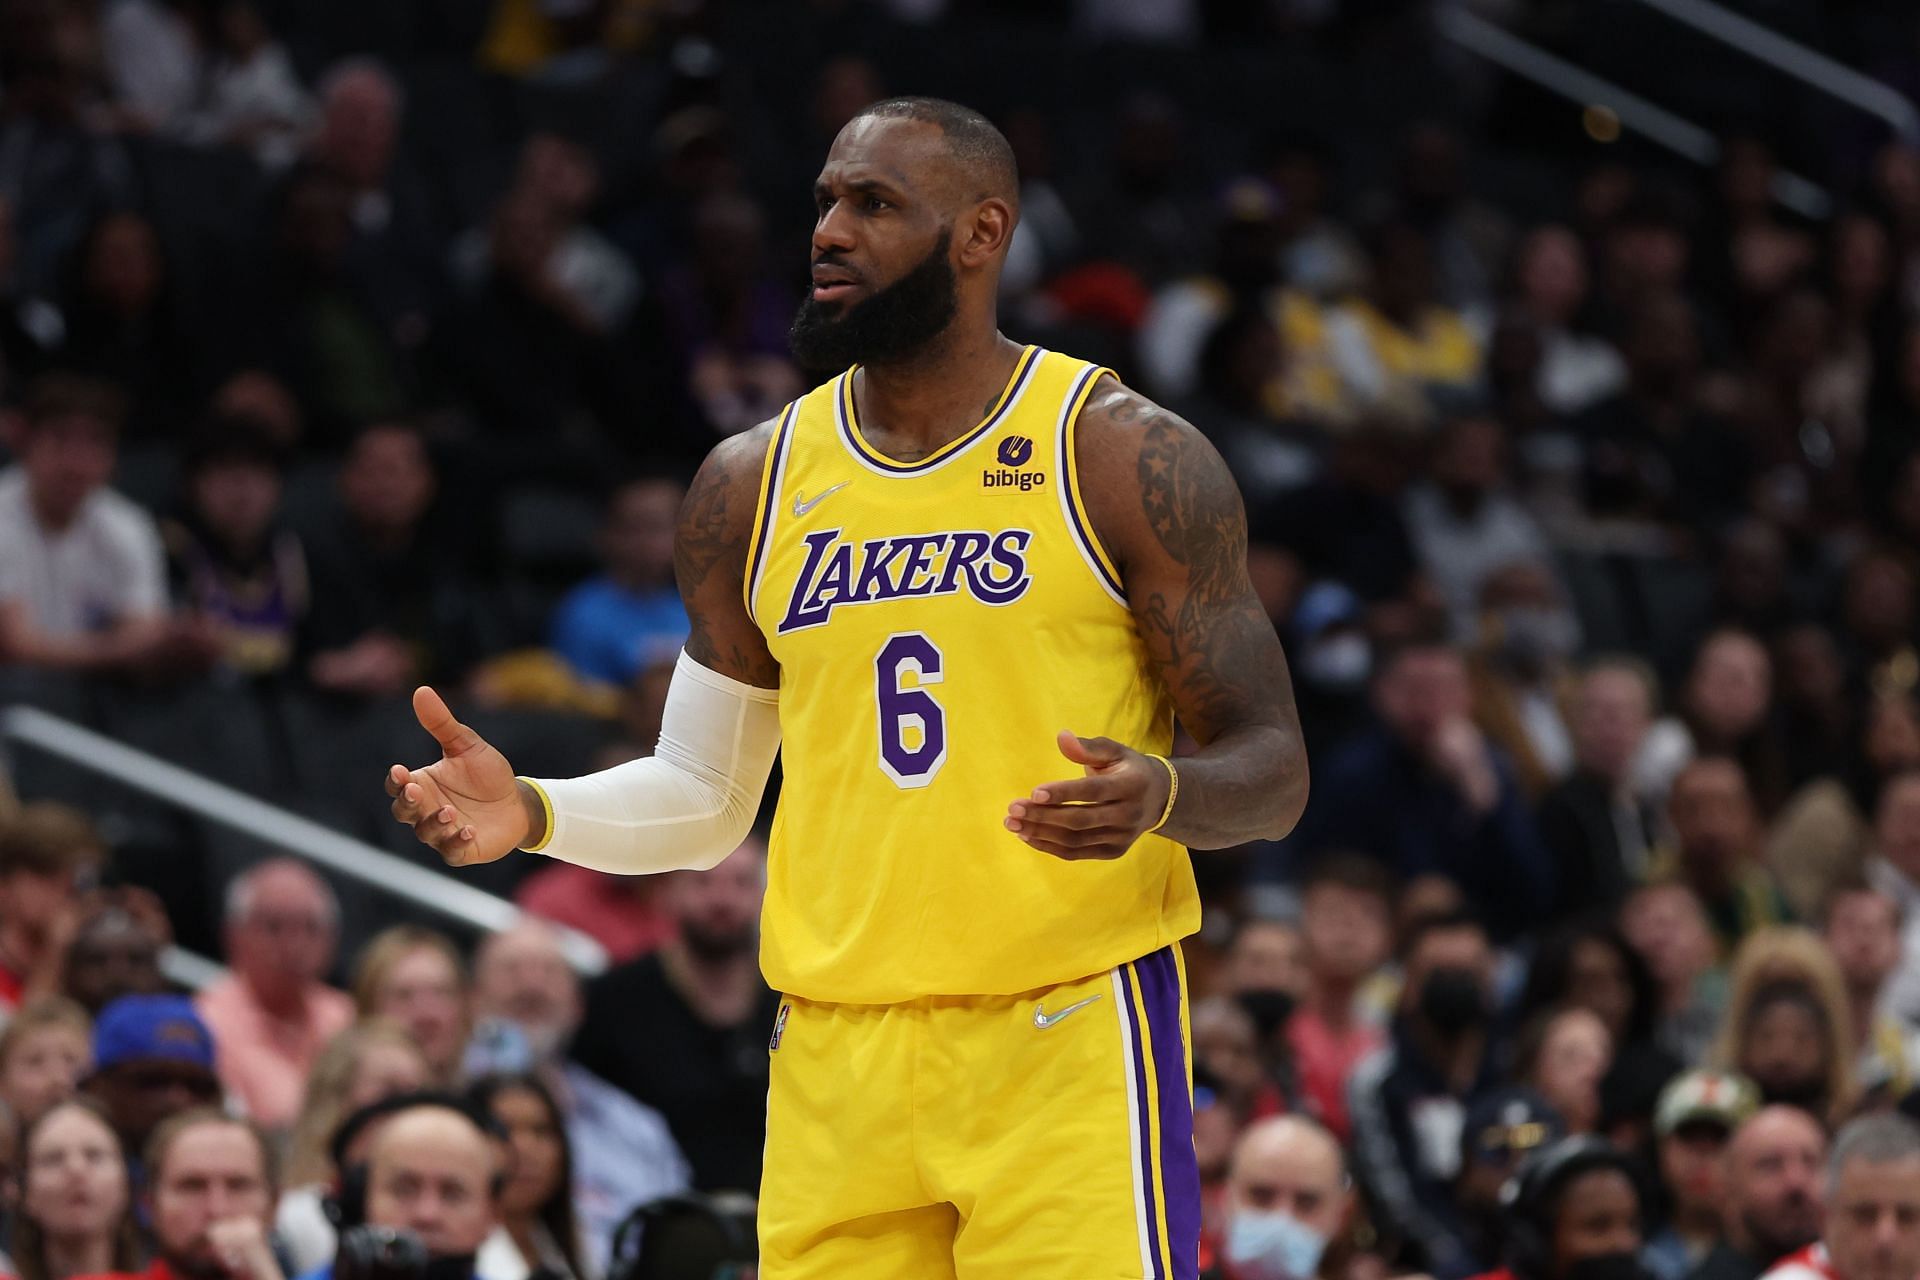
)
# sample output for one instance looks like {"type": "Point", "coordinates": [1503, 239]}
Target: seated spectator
{"type": "Point", "coordinates": [1872, 1205]}
{"type": "Point", "coordinates": [1894, 869]}
{"type": "Point", "coordinates": [416, 978]}
{"type": "Point", "coordinates": [1861, 926]}
{"type": "Point", "coordinates": [1788, 1028]}
{"type": "Point", "coordinates": [271, 1014]}
{"type": "Point", "coordinates": [1569, 1054]}
{"type": "Point", "coordinates": [433, 1170]}
{"type": "Point", "coordinates": [622, 1153]}
{"type": "Point", "coordinates": [1693, 1122]}
{"type": "Point", "coordinates": [1241, 404]}
{"type": "Point", "coordinates": [45, 1052]}
{"type": "Point", "coordinates": [1723, 711]}
{"type": "Point", "coordinates": [82, 578]}
{"type": "Point", "coordinates": [1265, 971]}
{"type": "Point", "coordinates": [1577, 368]}
{"type": "Point", "coordinates": [1239, 1063]}
{"type": "Point", "coordinates": [75, 1211]}
{"type": "Point", "coordinates": [536, 1203]}
{"type": "Point", "coordinates": [673, 1028]}
{"type": "Point", "coordinates": [1522, 672]}
{"type": "Point", "coordinates": [1465, 526]}
{"type": "Point", "coordinates": [152, 1058]}
{"type": "Point", "coordinates": [1424, 793]}
{"type": "Point", "coordinates": [1716, 850]}
{"type": "Point", "coordinates": [1599, 830]}
{"type": "Point", "coordinates": [210, 1199]}
{"type": "Point", "coordinates": [1346, 924]}
{"type": "Point", "coordinates": [1289, 1203]}
{"type": "Point", "coordinates": [254, 97]}
{"type": "Point", "coordinates": [1399, 345]}
{"type": "Point", "coordinates": [1576, 1210]}
{"type": "Point", "coordinates": [1669, 931]}
{"type": "Point", "coordinates": [115, 950]}
{"type": "Point", "coordinates": [46, 853]}
{"type": "Point", "coordinates": [1409, 1101]}
{"type": "Point", "coordinates": [1590, 965]}
{"type": "Point", "coordinates": [370, 1061]}
{"type": "Point", "coordinates": [1503, 1127]}
{"type": "Point", "coordinates": [232, 563]}
{"type": "Point", "coordinates": [630, 617]}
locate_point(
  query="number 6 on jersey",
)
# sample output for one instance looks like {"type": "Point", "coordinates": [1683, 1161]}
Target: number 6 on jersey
{"type": "Point", "coordinates": [913, 727]}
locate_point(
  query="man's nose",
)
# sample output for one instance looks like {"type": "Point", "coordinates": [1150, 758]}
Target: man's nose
{"type": "Point", "coordinates": [833, 233]}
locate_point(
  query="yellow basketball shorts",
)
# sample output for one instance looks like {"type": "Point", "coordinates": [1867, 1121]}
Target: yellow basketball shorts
{"type": "Point", "coordinates": [1044, 1135]}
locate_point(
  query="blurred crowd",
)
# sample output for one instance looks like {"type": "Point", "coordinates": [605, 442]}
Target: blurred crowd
{"type": "Point", "coordinates": [344, 347]}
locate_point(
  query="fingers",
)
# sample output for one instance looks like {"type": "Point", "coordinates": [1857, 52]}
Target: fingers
{"type": "Point", "coordinates": [1094, 753]}
{"type": "Point", "coordinates": [1081, 831]}
{"type": "Point", "coordinates": [410, 800]}
{"type": "Point", "coordinates": [1095, 788]}
{"type": "Point", "coordinates": [398, 777]}
{"type": "Point", "coordinates": [1073, 817]}
{"type": "Point", "coordinates": [445, 833]}
{"type": "Point", "coordinates": [1104, 852]}
{"type": "Point", "coordinates": [431, 710]}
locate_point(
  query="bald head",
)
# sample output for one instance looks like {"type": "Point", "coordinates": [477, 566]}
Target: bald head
{"type": "Point", "coordinates": [431, 1170]}
{"type": "Point", "coordinates": [1775, 1163]}
{"type": "Point", "coordinates": [1290, 1165]}
{"type": "Point", "coordinates": [982, 160]}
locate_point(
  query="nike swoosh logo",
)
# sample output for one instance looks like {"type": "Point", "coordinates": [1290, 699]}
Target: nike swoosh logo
{"type": "Point", "coordinates": [1042, 1019]}
{"type": "Point", "coordinates": [803, 504]}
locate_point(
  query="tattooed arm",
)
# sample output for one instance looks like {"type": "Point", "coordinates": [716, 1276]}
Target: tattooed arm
{"type": "Point", "coordinates": [710, 560]}
{"type": "Point", "coordinates": [1166, 508]}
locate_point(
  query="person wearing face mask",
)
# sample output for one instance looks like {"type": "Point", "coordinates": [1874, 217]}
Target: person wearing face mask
{"type": "Point", "coordinates": [1335, 660]}
{"type": "Point", "coordinates": [1288, 1199]}
{"type": "Point", "coordinates": [1574, 1212]}
{"type": "Point", "coordinates": [1410, 1100]}
{"type": "Point", "coordinates": [1521, 668]}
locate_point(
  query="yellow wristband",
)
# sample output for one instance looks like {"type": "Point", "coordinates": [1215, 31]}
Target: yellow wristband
{"type": "Point", "coordinates": [546, 807]}
{"type": "Point", "coordinates": [1173, 792]}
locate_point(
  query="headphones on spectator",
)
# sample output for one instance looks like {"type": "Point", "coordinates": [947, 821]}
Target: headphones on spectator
{"type": "Point", "coordinates": [1531, 1196]}
{"type": "Point", "coordinates": [346, 1205]}
{"type": "Point", "coordinates": [733, 1228]}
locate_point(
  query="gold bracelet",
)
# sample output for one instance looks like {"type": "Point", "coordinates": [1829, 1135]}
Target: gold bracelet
{"type": "Point", "coordinates": [1173, 792]}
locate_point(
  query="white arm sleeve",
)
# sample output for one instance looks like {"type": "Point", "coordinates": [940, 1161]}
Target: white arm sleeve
{"type": "Point", "coordinates": [688, 805]}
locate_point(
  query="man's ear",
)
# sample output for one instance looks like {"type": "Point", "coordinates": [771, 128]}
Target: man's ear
{"type": "Point", "coordinates": [986, 234]}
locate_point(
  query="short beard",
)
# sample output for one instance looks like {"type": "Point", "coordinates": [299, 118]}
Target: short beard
{"type": "Point", "coordinates": [890, 326]}
{"type": "Point", "coordinates": [711, 946]}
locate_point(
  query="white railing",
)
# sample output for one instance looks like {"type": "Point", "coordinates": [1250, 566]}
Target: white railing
{"type": "Point", "coordinates": [1809, 66]}
{"type": "Point", "coordinates": [417, 886]}
{"type": "Point", "coordinates": [1576, 84]}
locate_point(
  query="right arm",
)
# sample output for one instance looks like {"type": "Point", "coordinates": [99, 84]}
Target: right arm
{"type": "Point", "coordinates": [691, 802]}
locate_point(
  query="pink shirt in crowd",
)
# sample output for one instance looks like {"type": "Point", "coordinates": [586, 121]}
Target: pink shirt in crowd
{"type": "Point", "coordinates": [1323, 1058]}
{"type": "Point", "coordinates": [264, 1058]}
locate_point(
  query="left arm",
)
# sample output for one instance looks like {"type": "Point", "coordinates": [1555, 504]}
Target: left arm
{"type": "Point", "coordinates": [1166, 508]}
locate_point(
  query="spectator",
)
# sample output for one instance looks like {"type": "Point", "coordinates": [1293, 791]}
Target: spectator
{"type": "Point", "coordinates": [1599, 830]}
{"type": "Point", "coordinates": [1692, 1125]}
{"type": "Point", "coordinates": [370, 1061]}
{"type": "Point", "coordinates": [1504, 1126]}
{"type": "Point", "coordinates": [1716, 850]}
{"type": "Point", "coordinates": [254, 96]}
{"type": "Point", "coordinates": [415, 977]}
{"type": "Point", "coordinates": [1265, 971]}
{"type": "Point", "coordinates": [1399, 348]}
{"type": "Point", "coordinates": [210, 1199]}
{"type": "Point", "coordinates": [75, 1209]}
{"type": "Point", "coordinates": [1289, 1203]}
{"type": "Point", "coordinates": [1424, 793]}
{"type": "Point", "coordinates": [536, 1202]}
{"type": "Point", "coordinates": [82, 582]}
{"type": "Point", "coordinates": [1895, 871]}
{"type": "Point", "coordinates": [271, 1015]}
{"type": "Point", "coordinates": [630, 617]}
{"type": "Point", "coordinates": [1861, 927]}
{"type": "Point", "coordinates": [1773, 1200]}
{"type": "Point", "coordinates": [1464, 526]}
{"type": "Point", "coordinates": [1346, 909]}
{"type": "Point", "coordinates": [1409, 1100]}
{"type": "Point", "coordinates": [1872, 1206]}
{"type": "Point", "coordinates": [1723, 712]}
{"type": "Point", "coordinates": [152, 1058]}
{"type": "Point", "coordinates": [1575, 1211]}
{"type": "Point", "coordinates": [153, 62]}
{"type": "Point", "coordinates": [46, 852]}
{"type": "Point", "coordinates": [1570, 1053]}
{"type": "Point", "coordinates": [1522, 674]}
{"type": "Point", "coordinates": [683, 1029]}
{"type": "Point", "coordinates": [433, 1170]}
{"type": "Point", "coordinates": [232, 562]}
{"type": "Point", "coordinates": [115, 952]}
{"type": "Point", "coordinates": [1238, 1062]}
{"type": "Point", "coordinates": [1469, 238]}
{"type": "Point", "coordinates": [1348, 526]}
{"type": "Point", "coordinates": [1788, 1027]}
{"type": "Point", "coordinates": [1243, 401]}
{"type": "Point", "coordinates": [622, 1153]}
{"type": "Point", "coordinates": [45, 1052]}
{"type": "Point", "coordinates": [1577, 368]}
{"type": "Point", "coordinates": [1591, 965]}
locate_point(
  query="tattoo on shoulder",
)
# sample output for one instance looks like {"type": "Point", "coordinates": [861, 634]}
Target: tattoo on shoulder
{"type": "Point", "coordinates": [710, 554]}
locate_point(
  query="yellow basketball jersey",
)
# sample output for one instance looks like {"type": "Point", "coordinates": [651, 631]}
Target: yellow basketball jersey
{"type": "Point", "coordinates": [937, 623]}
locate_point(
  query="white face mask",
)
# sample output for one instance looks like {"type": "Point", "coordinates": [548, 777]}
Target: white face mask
{"type": "Point", "coordinates": [1341, 662]}
{"type": "Point", "coordinates": [1272, 1246]}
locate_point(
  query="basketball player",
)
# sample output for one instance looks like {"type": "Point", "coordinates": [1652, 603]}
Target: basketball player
{"type": "Point", "coordinates": [919, 575]}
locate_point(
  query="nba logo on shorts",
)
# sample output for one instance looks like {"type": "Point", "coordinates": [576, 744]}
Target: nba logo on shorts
{"type": "Point", "coordinates": [779, 1028]}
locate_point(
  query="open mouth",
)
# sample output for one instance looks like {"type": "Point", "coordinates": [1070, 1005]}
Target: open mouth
{"type": "Point", "coordinates": [831, 284]}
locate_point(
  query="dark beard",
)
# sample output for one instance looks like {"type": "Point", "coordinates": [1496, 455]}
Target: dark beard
{"type": "Point", "coordinates": [710, 946]}
{"type": "Point", "coordinates": [891, 325]}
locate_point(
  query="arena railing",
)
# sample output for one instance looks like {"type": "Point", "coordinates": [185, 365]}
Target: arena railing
{"type": "Point", "coordinates": [1576, 84]}
{"type": "Point", "coordinates": [428, 890]}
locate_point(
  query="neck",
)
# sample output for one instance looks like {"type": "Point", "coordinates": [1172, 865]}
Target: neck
{"type": "Point", "coordinates": [1331, 996]}
{"type": "Point", "coordinates": [923, 402]}
{"type": "Point", "coordinates": [719, 990]}
{"type": "Point", "coordinates": [1696, 1222]}
{"type": "Point", "coordinates": [78, 1256]}
{"type": "Point", "coordinates": [284, 999]}
{"type": "Point", "coordinates": [52, 519]}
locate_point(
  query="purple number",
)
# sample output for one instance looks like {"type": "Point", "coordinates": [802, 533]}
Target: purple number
{"type": "Point", "coordinates": [913, 728]}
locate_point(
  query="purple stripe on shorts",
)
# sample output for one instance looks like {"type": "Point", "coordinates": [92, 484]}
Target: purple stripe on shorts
{"type": "Point", "coordinates": [1142, 1103]}
{"type": "Point", "coordinates": [1179, 1168]}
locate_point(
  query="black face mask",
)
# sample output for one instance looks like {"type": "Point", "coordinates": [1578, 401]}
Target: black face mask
{"type": "Point", "coordinates": [1453, 1001]}
{"type": "Point", "coordinates": [449, 1266]}
{"type": "Point", "coordinates": [1808, 1095]}
{"type": "Point", "coordinates": [1606, 1266]}
{"type": "Point", "coordinates": [1268, 1009]}
{"type": "Point", "coordinates": [889, 325]}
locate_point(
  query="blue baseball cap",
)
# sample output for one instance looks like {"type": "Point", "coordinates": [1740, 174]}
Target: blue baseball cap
{"type": "Point", "coordinates": [142, 1028]}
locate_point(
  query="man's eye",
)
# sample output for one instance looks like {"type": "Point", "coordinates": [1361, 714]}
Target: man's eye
{"type": "Point", "coordinates": [875, 204]}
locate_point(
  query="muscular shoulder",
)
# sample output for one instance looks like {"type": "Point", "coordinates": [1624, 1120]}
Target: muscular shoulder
{"type": "Point", "coordinates": [1152, 483]}
{"type": "Point", "coordinates": [716, 519]}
